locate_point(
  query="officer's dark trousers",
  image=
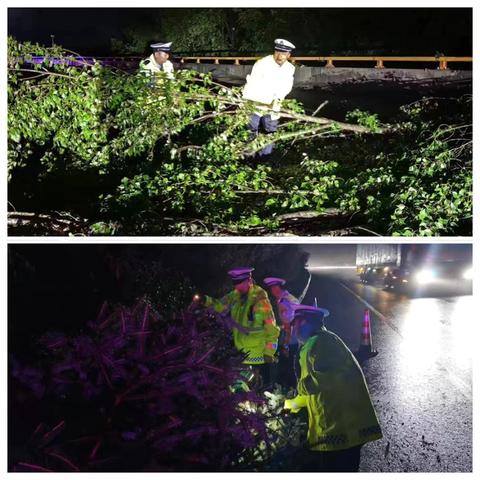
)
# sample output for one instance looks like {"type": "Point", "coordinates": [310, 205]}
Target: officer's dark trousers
{"type": "Point", "coordinates": [337, 461]}
{"type": "Point", "coordinates": [265, 124]}
{"type": "Point", "coordinates": [267, 374]}
{"type": "Point", "coordinates": [287, 368]}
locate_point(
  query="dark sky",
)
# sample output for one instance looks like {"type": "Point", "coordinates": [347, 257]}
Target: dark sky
{"type": "Point", "coordinates": [74, 28]}
{"type": "Point", "coordinates": [424, 30]}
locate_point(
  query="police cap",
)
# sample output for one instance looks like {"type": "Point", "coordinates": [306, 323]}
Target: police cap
{"type": "Point", "coordinates": [271, 281]}
{"type": "Point", "coordinates": [309, 312]}
{"type": "Point", "coordinates": [161, 47]}
{"type": "Point", "coordinates": [282, 45]}
{"type": "Point", "coordinates": [240, 274]}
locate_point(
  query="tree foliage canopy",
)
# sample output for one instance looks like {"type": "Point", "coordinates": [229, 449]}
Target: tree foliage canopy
{"type": "Point", "coordinates": [172, 157]}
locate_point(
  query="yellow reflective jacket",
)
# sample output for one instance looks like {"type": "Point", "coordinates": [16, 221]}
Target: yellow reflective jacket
{"type": "Point", "coordinates": [334, 390]}
{"type": "Point", "coordinates": [254, 329]}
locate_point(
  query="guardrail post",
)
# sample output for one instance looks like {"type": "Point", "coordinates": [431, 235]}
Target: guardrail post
{"type": "Point", "coordinates": [198, 60]}
{"type": "Point", "coordinates": [216, 61]}
{"type": "Point", "coordinates": [443, 65]}
{"type": "Point", "coordinates": [329, 63]}
{"type": "Point", "coordinates": [182, 60]}
{"type": "Point", "coordinates": [379, 63]}
{"type": "Point", "coordinates": [237, 61]}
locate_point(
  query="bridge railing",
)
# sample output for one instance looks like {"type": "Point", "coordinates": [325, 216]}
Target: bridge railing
{"type": "Point", "coordinates": [373, 61]}
{"type": "Point", "coordinates": [327, 61]}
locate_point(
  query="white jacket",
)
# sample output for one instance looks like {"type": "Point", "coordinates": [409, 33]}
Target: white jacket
{"type": "Point", "coordinates": [269, 81]}
{"type": "Point", "coordinates": [150, 67]}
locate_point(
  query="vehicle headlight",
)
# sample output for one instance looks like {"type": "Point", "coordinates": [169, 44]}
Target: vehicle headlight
{"type": "Point", "coordinates": [425, 276]}
{"type": "Point", "coordinates": [468, 274]}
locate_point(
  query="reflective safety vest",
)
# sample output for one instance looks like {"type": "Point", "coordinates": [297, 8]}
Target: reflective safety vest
{"type": "Point", "coordinates": [253, 322]}
{"type": "Point", "coordinates": [334, 390]}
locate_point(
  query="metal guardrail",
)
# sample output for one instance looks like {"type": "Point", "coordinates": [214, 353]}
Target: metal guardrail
{"type": "Point", "coordinates": [379, 60]}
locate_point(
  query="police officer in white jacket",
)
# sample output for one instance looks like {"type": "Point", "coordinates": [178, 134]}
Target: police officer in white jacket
{"type": "Point", "coordinates": [158, 62]}
{"type": "Point", "coordinates": [269, 82]}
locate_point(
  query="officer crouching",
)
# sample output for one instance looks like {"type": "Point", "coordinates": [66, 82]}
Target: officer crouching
{"type": "Point", "coordinates": [334, 391]}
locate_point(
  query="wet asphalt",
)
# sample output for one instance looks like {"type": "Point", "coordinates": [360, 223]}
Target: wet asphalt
{"type": "Point", "coordinates": [421, 380]}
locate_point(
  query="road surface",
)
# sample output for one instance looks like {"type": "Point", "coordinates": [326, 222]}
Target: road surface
{"type": "Point", "coordinates": [421, 380]}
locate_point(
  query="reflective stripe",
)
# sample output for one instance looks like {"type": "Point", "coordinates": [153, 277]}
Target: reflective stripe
{"type": "Point", "coordinates": [255, 360]}
{"type": "Point", "coordinates": [272, 345]}
{"type": "Point", "coordinates": [242, 329]}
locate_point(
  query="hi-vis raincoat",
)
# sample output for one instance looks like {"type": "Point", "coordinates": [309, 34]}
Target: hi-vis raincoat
{"type": "Point", "coordinates": [254, 328]}
{"type": "Point", "coordinates": [269, 83]}
{"type": "Point", "coordinates": [150, 67]}
{"type": "Point", "coordinates": [333, 388]}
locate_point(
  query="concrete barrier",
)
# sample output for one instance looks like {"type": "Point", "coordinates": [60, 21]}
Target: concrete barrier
{"type": "Point", "coordinates": [311, 77]}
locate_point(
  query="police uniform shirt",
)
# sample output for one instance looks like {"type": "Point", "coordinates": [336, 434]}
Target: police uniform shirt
{"type": "Point", "coordinates": [286, 307]}
{"type": "Point", "coordinates": [269, 81]}
{"type": "Point", "coordinates": [151, 67]}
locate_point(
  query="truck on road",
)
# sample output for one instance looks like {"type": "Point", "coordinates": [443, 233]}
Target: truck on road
{"type": "Point", "coordinates": [413, 266]}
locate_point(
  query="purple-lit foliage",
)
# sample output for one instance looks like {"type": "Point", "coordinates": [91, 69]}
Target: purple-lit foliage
{"type": "Point", "coordinates": [135, 392]}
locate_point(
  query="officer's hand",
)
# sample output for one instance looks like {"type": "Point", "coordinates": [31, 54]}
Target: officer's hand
{"type": "Point", "coordinates": [268, 359]}
{"type": "Point", "coordinates": [291, 405]}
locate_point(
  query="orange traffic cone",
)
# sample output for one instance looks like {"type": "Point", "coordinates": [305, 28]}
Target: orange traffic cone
{"type": "Point", "coordinates": [365, 350]}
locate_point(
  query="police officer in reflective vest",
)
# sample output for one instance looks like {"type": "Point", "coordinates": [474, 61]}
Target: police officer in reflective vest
{"type": "Point", "coordinates": [253, 322]}
{"type": "Point", "coordinates": [334, 391]}
{"type": "Point", "coordinates": [269, 82]}
{"type": "Point", "coordinates": [158, 64]}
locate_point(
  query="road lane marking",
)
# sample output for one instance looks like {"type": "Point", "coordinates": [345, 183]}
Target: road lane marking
{"type": "Point", "coordinates": [464, 389]}
{"type": "Point", "coordinates": [380, 315]}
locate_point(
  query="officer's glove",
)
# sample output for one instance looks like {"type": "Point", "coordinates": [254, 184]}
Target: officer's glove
{"type": "Point", "coordinates": [291, 405]}
{"type": "Point", "coordinates": [276, 105]}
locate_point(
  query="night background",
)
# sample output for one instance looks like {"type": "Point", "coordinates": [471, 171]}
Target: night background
{"type": "Point", "coordinates": [342, 31]}
{"type": "Point", "coordinates": [110, 371]}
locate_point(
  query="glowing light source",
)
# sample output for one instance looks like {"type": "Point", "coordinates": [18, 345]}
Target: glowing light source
{"type": "Point", "coordinates": [425, 276]}
{"type": "Point", "coordinates": [468, 274]}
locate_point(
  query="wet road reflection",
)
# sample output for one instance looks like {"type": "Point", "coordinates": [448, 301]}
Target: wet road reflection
{"type": "Point", "coordinates": [421, 380]}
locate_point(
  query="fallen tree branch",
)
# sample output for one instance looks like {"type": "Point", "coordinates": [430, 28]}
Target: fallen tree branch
{"type": "Point", "coordinates": [286, 114]}
{"type": "Point", "coordinates": [46, 223]}
{"type": "Point", "coordinates": [319, 107]}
